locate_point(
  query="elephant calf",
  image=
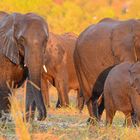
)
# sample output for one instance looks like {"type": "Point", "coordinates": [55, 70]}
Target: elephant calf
{"type": "Point", "coordinates": [122, 91]}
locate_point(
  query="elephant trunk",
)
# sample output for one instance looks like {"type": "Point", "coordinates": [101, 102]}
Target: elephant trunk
{"type": "Point", "coordinates": [34, 63]}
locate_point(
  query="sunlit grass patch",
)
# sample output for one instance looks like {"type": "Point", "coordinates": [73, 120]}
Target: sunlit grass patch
{"type": "Point", "coordinates": [21, 127]}
{"type": "Point", "coordinates": [64, 124]}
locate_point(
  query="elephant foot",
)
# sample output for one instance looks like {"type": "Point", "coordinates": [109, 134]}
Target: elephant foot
{"type": "Point", "coordinates": [80, 108]}
{"type": "Point", "coordinates": [58, 106]}
{"type": "Point", "coordinates": [61, 106]}
{"type": "Point", "coordinates": [92, 121]}
{"type": "Point", "coordinates": [30, 116]}
{"type": "Point", "coordinates": [41, 117]}
{"type": "Point", "coordinates": [48, 106]}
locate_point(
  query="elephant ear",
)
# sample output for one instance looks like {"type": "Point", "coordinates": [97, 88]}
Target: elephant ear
{"type": "Point", "coordinates": [8, 45]}
{"type": "Point", "coordinates": [122, 42]}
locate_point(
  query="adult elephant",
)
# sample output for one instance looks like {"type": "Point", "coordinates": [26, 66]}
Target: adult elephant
{"type": "Point", "coordinates": [60, 68]}
{"type": "Point", "coordinates": [100, 46]}
{"type": "Point", "coordinates": [23, 38]}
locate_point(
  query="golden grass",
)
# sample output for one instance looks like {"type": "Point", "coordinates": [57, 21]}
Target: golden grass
{"type": "Point", "coordinates": [21, 127]}
{"type": "Point", "coordinates": [67, 124]}
{"type": "Point", "coordinates": [18, 113]}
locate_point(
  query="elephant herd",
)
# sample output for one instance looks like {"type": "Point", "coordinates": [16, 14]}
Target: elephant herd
{"type": "Point", "coordinates": [101, 64]}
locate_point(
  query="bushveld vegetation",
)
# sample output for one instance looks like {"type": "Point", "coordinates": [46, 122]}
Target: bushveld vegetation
{"type": "Point", "coordinates": [67, 16]}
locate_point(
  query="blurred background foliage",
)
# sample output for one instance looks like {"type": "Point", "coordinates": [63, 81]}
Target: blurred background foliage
{"type": "Point", "coordinates": [74, 15]}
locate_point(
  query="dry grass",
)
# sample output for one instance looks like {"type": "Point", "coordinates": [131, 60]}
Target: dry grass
{"type": "Point", "coordinates": [63, 124]}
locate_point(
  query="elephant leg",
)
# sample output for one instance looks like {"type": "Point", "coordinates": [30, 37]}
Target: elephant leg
{"type": "Point", "coordinates": [110, 113]}
{"type": "Point", "coordinates": [41, 108]}
{"type": "Point", "coordinates": [62, 93]}
{"type": "Point", "coordinates": [90, 110]}
{"type": "Point", "coordinates": [58, 104]}
{"type": "Point", "coordinates": [33, 108]}
{"type": "Point", "coordinates": [80, 100]}
{"type": "Point", "coordinates": [45, 91]}
{"type": "Point", "coordinates": [38, 100]}
{"type": "Point", "coordinates": [128, 119]}
{"type": "Point", "coordinates": [134, 119]}
{"type": "Point", "coordinates": [29, 101]}
{"type": "Point", "coordinates": [67, 98]}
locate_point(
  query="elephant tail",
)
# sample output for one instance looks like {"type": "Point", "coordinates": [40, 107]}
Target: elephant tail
{"type": "Point", "coordinates": [100, 99]}
{"type": "Point", "coordinates": [98, 106]}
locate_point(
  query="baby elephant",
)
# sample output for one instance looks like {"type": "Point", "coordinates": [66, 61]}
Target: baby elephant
{"type": "Point", "coordinates": [122, 92]}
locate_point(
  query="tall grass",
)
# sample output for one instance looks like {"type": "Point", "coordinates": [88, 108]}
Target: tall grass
{"type": "Point", "coordinates": [21, 127]}
{"type": "Point", "coordinates": [18, 114]}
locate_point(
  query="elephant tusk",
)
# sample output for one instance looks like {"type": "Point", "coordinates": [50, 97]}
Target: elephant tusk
{"type": "Point", "coordinates": [45, 69]}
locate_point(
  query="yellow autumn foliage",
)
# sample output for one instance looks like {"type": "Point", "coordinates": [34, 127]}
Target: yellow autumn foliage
{"type": "Point", "coordinates": [74, 15]}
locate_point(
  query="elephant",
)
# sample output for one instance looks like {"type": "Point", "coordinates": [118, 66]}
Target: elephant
{"type": "Point", "coordinates": [14, 76]}
{"type": "Point", "coordinates": [107, 43]}
{"type": "Point", "coordinates": [122, 91]}
{"type": "Point", "coordinates": [23, 38]}
{"type": "Point", "coordinates": [60, 68]}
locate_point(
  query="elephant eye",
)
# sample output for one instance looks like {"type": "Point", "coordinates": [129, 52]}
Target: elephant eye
{"type": "Point", "coordinates": [21, 40]}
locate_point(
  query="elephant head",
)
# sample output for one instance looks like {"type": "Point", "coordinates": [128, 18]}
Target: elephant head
{"type": "Point", "coordinates": [54, 54]}
{"type": "Point", "coordinates": [135, 76]}
{"type": "Point", "coordinates": [23, 39]}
